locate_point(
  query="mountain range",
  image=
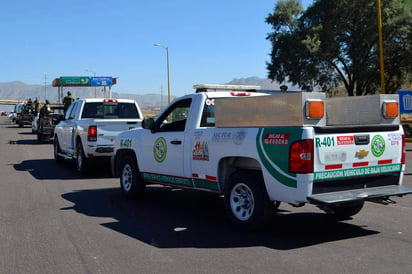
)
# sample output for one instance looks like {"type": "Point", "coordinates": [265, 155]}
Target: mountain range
{"type": "Point", "coordinates": [21, 91]}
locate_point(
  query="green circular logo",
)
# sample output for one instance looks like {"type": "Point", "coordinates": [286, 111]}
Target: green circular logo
{"type": "Point", "coordinates": [160, 149]}
{"type": "Point", "coordinates": [378, 145]}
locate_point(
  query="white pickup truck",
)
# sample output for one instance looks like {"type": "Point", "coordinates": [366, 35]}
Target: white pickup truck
{"type": "Point", "coordinates": [90, 126]}
{"type": "Point", "coordinates": [260, 149]}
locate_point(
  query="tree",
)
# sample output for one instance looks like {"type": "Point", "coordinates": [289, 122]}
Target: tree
{"type": "Point", "coordinates": [336, 42]}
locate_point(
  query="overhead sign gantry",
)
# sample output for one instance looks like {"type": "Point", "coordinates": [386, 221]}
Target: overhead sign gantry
{"type": "Point", "coordinates": [84, 81]}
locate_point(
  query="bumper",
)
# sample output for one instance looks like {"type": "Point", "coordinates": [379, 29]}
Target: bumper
{"type": "Point", "coordinates": [359, 194]}
{"type": "Point", "coordinates": [99, 151]}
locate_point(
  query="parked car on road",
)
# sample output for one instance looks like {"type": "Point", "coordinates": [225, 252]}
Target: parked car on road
{"type": "Point", "coordinates": [24, 114]}
{"type": "Point", "coordinates": [46, 124]}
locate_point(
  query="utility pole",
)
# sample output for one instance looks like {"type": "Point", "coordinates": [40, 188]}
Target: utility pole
{"type": "Point", "coordinates": [381, 62]}
{"type": "Point", "coordinates": [94, 74]}
{"type": "Point", "coordinates": [161, 96]}
{"type": "Point", "coordinates": [45, 87]}
{"type": "Point", "coordinates": [168, 70]}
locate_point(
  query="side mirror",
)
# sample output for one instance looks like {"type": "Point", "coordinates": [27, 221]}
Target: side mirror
{"type": "Point", "coordinates": [148, 123]}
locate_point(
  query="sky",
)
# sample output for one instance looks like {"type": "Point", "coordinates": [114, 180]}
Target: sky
{"type": "Point", "coordinates": [211, 41]}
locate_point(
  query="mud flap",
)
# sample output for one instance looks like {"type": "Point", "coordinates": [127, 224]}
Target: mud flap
{"type": "Point", "coordinates": [368, 194]}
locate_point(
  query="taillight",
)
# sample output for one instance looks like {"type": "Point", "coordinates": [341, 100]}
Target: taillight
{"type": "Point", "coordinates": [92, 134]}
{"type": "Point", "coordinates": [403, 159]}
{"type": "Point", "coordinates": [109, 101]}
{"type": "Point", "coordinates": [301, 157]}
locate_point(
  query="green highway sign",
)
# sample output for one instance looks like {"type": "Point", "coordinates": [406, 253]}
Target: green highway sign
{"type": "Point", "coordinates": [75, 81]}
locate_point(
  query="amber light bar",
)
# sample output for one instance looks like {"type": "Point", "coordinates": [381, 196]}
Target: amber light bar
{"type": "Point", "coordinates": [315, 109]}
{"type": "Point", "coordinates": [390, 109]}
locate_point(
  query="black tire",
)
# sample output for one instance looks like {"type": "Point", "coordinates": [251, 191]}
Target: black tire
{"type": "Point", "coordinates": [131, 181]}
{"type": "Point", "coordinates": [20, 125]}
{"type": "Point", "coordinates": [246, 201]}
{"type": "Point", "coordinates": [82, 162]}
{"type": "Point", "coordinates": [344, 211]}
{"type": "Point", "coordinates": [39, 137]}
{"type": "Point", "coordinates": [56, 151]}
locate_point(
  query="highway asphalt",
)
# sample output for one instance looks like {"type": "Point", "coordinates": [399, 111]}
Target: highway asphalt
{"type": "Point", "coordinates": [54, 220]}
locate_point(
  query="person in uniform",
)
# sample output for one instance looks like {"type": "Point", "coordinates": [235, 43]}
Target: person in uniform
{"type": "Point", "coordinates": [36, 106]}
{"type": "Point", "coordinates": [67, 101]}
{"type": "Point", "coordinates": [46, 109]}
{"type": "Point", "coordinates": [29, 106]}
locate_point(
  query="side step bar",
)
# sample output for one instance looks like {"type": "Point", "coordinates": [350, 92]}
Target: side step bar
{"type": "Point", "coordinates": [65, 156]}
{"type": "Point", "coordinates": [368, 194]}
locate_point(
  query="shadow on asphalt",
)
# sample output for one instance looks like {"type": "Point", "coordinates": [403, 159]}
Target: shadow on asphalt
{"type": "Point", "coordinates": [28, 142]}
{"type": "Point", "coordinates": [167, 218]}
{"type": "Point", "coordinates": [48, 169]}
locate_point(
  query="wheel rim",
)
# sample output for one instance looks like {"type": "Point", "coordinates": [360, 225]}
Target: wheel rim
{"type": "Point", "coordinates": [127, 177]}
{"type": "Point", "coordinates": [242, 202]}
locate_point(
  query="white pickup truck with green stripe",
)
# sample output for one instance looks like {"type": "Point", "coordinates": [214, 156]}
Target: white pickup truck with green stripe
{"type": "Point", "coordinates": [260, 148]}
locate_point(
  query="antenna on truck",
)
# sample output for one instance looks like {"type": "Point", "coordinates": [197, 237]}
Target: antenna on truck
{"type": "Point", "coordinates": [215, 87]}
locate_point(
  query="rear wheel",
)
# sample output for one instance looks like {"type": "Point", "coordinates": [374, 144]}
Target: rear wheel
{"type": "Point", "coordinates": [345, 210]}
{"type": "Point", "coordinates": [131, 181]}
{"type": "Point", "coordinates": [81, 160]}
{"type": "Point", "coordinates": [246, 201]}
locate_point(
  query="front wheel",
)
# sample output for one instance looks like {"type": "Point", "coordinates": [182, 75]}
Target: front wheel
{"type": "Point", "coordinates": [131, 181]}
{"type": "Point", "coordinates": [246, 201]}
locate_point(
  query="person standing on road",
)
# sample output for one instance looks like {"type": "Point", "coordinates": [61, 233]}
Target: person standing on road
{"type": "Point", "coordinates": [46, 109]}
{"type": "Point", "coordinates": [36, 108]}
{"type": "Point", "coordinates": [67, 101]}
{"type": "Point", "coordinates": [29, 106]}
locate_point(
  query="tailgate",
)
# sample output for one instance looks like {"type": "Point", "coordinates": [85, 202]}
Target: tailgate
{"type": "Point", "coordinates": [357, 165]}
{"type": "Point", "coordinates": [107, 130]}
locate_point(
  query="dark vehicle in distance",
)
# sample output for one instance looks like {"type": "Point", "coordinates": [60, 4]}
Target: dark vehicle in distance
{"type": "Point", "coordinates": [46, 124]}
{"type": "Point", "coordinates": [24, 114]}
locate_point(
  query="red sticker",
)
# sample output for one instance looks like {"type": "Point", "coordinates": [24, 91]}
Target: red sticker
{"type": "Point", "coordinates": [276, 139]}
{"type": "Point", "coordinates": [346, 140]}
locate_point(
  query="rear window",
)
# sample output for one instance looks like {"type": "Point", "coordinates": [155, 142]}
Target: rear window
{"type": "Point", "coordinates": [111, 110]}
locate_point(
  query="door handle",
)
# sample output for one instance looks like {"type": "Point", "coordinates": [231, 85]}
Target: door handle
{"type": "Point", "coordinates": [176, 142]}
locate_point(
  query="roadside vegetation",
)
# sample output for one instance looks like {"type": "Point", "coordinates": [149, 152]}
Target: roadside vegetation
{"type": "Point", "coordinates": [333, 46]}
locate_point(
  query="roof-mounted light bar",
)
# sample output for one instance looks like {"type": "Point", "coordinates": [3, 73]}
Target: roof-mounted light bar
{"type": "Point", "coordinates": [215, 87]}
